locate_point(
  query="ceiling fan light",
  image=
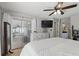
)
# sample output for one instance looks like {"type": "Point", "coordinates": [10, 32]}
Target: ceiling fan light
{"type": "Point", "coordinates": [58, 11]}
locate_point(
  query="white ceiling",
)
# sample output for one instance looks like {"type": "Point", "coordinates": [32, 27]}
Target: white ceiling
{"type": "Point", "coordinates": [36, 8]}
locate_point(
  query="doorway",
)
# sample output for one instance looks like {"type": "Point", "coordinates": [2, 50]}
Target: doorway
{"type": "Point", "coordinates": [7, 38]}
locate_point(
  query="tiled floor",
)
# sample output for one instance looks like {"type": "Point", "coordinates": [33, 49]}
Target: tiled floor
{"type": "Point", "coordinates": [16, 52]}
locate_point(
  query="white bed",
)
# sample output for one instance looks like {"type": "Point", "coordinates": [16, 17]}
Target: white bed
{"type": "Point", "coordinates": [51, 47]}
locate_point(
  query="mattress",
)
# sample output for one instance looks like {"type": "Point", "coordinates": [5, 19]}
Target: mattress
{"type": "Point", "coordinates": [51, 47]}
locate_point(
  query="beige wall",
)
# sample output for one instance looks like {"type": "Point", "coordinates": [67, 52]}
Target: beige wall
{"type": "Point", "coordinates": [75, 21]}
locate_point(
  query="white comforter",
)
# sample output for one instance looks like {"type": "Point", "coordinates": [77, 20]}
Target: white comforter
{"type": "Point", "coordinates": [51, 47]}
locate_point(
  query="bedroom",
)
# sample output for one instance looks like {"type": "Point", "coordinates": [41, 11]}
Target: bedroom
{"type": "Point", "coordinates": [25, 26]}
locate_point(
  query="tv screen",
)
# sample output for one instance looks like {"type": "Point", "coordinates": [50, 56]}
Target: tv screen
{"type": "Point", "coordinates": [46, 23]}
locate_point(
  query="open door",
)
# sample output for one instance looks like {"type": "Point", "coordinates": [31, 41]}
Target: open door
{"type": "Point", "coordinates": [7, 37]}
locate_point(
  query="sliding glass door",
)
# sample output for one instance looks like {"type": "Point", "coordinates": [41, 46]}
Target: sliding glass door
{"type": "Point", "coordinates": [21, 30]}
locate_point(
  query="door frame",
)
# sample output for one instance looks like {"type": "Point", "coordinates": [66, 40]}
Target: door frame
{"type": "Point", "coordinates": [5, 39]}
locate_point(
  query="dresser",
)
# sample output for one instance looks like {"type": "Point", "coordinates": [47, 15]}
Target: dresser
{"type": "Point", "coordinates": [39, 36]}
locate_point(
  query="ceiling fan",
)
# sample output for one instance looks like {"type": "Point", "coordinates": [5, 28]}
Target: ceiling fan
{"type": "Point", "coordinates": [59, 8]}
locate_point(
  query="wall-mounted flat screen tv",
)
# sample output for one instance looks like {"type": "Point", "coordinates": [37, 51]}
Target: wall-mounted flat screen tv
{"type": "Point", "coordinates": [47, 23]}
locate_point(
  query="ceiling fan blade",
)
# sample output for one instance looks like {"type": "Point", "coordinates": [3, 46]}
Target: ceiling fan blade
{"type": "Point", "coordinates": [71, 6]}
{"type": "Point", "coordinates": [61, 12]}
{"type": "Point", "coordinates": [48, 10]}
{"type": "Point", "coordinates": [51, 13]}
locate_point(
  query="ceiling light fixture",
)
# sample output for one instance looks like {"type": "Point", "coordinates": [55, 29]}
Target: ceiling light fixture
{"type": "Point", "coordinates": [58, 11]}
